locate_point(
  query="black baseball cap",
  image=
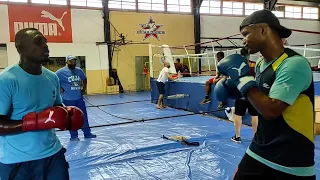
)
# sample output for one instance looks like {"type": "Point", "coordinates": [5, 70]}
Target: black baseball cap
{"type": "Point", "coordinates": [266, 16]}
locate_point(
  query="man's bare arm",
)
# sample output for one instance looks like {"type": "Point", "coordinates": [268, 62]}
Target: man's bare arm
{"type": "Point", "coordinates": [8, 126]}
{"type": "Point", "coordinates": [170, 77]}
{"type": "Point", "coordinates": [84, 86]}
{"type": "Point", "coordinates": [269, 108]}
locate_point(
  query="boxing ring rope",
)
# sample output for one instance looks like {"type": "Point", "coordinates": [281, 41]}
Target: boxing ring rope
{"type": "Point", "coordinates": [212, 54]}
{"type": "Point", "coordinates": [208, 56]}
{"type": "Point", "coordinates": [131, 120]}
{"type": "Point", "coordinates": [190, 45]}
{"type": "Point", "coordinates": [190, 58]}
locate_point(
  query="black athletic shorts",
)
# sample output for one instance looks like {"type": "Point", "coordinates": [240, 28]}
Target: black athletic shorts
{"type": "Point", "coordinates": [161, 87]}
{"type": "Point", "coordinates": [241, 106]}
{"type": "Point", "coordinates": [250, 168]}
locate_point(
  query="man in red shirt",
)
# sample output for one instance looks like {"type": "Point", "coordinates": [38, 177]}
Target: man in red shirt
{"type": "Point", "coordinates": [220, 55]}
{"type": "Point", "coordinates": [178, 65]}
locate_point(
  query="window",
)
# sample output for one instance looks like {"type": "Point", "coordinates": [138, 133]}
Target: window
{"type": "Point", "coordinates": [154, 5]}
{"type": "Point", "coordinates": [278, 13]}
{"type": "Point", "coordinates": [292, 12]}
{"type": "Point", "coordinates": [310, 13]}
{"type": "Point", "coordinates": [179, 5]}
{"type": "Point", "coordinates": [122, 4]}
{"type": "Point", "coordinates": [252, 7]}
{"type": "Point", "coordinates": [210, 6]}
{"type": "Point", "coordinates": [78, 2]}
{"type": "Point", "coordinates": [25, 1]}
{"type": "Point", "coordinates": [94, 3]}
{"type": "Point", "coordinates": [40, 1]}
{"type": "Point", "coordinates": [235, 8]}
{"type": "Point", "coordinates": [56, 2]}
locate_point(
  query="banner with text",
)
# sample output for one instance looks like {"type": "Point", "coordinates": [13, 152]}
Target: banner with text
{"type": "Point", "coordinates": [53, 22]}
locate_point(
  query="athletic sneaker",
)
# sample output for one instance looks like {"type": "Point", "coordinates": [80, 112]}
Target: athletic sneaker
{"type": "Point", "coordinates": [236, 139]}
{"type": "Point", "coordinates": [74, 139]}
{"type": "Point", "coordinates": [230, 113]}
{"type": "Point", "coordinates": [90, 136]}
{"type": "Point", "coordinates": [206, 101]}
{"type": "Point", "coordinates": [222, 105]}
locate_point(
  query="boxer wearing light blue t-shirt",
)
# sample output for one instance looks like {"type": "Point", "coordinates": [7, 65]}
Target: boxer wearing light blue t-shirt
{"type": "Point", "coordinates": [73, 85]}
{"type": "Point", "coordinates": [40, 92]}
{"type": "Point", "coordinates": [29, 104]}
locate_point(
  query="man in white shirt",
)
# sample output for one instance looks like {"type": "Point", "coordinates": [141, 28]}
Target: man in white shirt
{"type": "Point", "coordinates": [164, 76]}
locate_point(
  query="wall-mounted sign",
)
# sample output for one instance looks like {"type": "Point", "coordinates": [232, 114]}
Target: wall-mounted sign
{"type": "Point", "coordinates": [150, 29]}
{"type": "Point", "coordinates": [53, 22]}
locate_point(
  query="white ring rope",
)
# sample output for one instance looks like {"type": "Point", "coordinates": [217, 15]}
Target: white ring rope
{"type": "Point", "coordinates": [211, 55]}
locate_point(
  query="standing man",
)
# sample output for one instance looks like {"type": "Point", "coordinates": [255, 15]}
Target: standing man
{"type": "Point", "coordinates": [241, 106]}
{"type": "Point", "coordinates": [73, 84]}
{"type": "Point", "coordinates": [30, 110]}
{"type": "Point", "coordinates": [164, 76]}
{"type": "Point", "coordinates": [283, 95]}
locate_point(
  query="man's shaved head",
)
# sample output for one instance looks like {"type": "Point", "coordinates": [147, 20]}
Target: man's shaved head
{"type": "Point", "coordinates": [23, 35]}
{"type": "Point", "coordinates": [32, 45]}
{"type": "Point", "coordinates": [167, 64]}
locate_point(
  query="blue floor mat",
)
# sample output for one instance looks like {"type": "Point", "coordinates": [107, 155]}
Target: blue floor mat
{"type": "Point", "coordinates": [137, 151]}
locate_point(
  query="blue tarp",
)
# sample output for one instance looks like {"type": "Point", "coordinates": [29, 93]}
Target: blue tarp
{"type": "Point", "coordinates": [137, 151]}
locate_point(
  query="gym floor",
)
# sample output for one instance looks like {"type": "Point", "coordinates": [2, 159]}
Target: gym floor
{"type": "Point", "coordinates": [138, 151]}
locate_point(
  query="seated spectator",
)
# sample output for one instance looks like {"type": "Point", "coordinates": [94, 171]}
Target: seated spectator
{"type": "Point", "coordinates": [210, 82]}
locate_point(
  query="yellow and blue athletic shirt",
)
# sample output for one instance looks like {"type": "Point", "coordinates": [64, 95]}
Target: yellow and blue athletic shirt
{"type": "Point", "coordinates": [287, 142]}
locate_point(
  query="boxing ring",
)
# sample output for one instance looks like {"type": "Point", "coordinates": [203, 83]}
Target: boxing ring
{"type": "Point", "coordinates": [193, 88]}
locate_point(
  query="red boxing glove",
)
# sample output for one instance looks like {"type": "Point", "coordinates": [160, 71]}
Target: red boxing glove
{"type": "Point", "coordinates": [175, 76]}
{"type": "Point", "coordinates": [54, 117]}
{"type": "Point", "coordinates": [76, 118]}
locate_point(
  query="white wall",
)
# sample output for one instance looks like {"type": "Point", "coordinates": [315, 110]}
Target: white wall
{"type": "Point", "coordinates": [96, 56]}
{"type": "Point", "coordinates": [3, 58]}
{"type": "Point", "coordinates": [4, 27]}
{"type": "Point", "coordinates": [87, 25]}
{"type": "Point", "coordinates": [222, 26]}
{"type": "Point", "coordinates": [302, 38]}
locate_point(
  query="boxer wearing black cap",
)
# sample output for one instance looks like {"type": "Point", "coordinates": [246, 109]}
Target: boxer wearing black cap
{"type": "Point", "coordinates": [283, 95]}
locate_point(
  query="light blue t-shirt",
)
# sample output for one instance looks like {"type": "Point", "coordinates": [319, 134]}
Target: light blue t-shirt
{"type": "Point", "coordinates": [71, 81]}
{"type": "Point", "coordinates": [20, 94]}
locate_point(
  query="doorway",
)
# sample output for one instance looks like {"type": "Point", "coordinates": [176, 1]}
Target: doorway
{"type": "Point", "coordinates": [141, 80]}
{"type": "Point", "coordinates": [3, 57]}
{"type": "Point", "coordinates": [56, 63]}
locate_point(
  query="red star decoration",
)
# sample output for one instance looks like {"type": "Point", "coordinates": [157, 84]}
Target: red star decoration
{"type": "Point", "coordinates": [152, 27]}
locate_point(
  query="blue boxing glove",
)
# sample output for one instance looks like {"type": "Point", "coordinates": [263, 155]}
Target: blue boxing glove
{"type": "Point", "coordinates": [226, 89]}
{"type": "Point", "coordinates": [236, 66]}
